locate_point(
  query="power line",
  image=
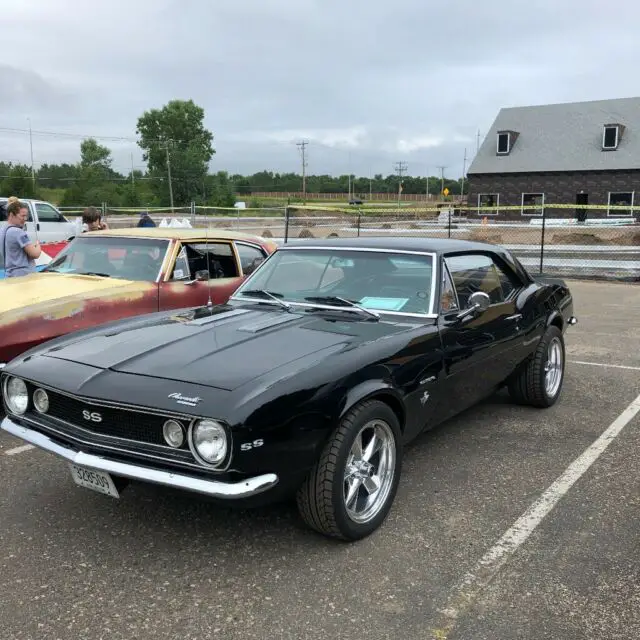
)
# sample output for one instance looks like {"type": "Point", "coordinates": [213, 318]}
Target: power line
{"type": "Point", "coordinates": [64, 134]}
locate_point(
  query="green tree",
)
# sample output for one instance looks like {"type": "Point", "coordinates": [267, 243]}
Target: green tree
{"type": "Point", "coordinates": [176, 130]}
{"type": "Point", "coordinates": [19, 183]}
{"type": "Point", "coordinates": [219, 190]}
{"type": "Point", "coordinates": [94, 155]}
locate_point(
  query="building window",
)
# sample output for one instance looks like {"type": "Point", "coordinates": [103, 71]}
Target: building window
{"type": "Point", "coordinates": [620, 199]}
{"type": "Point", "coordinates": [488, 200]}
{"type": "Point", "coordinates": [535, 200]}
{"type": "Point", "coordinates": [504, 142]}
{"type": "Point", "coordinates": [610, 137]}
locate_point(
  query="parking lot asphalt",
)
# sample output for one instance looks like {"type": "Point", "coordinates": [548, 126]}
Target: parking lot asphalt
{"type": "Point", "coordinates": [159, 564]}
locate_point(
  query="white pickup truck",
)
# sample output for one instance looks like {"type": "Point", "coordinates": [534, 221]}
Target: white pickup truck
{"type": "Point", "coordinates": [45, 222]}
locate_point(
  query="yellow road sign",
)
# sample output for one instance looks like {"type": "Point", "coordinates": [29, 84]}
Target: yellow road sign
{"type": "Point", "coordinates": [446, 191]}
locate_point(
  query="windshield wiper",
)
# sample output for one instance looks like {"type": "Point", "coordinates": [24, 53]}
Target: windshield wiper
{"type": "Point", "coordinates": [342, 302]}
{"type": "Point", "coordinates": [94, 273]}
{"type": "Point", "coordinates": [267, 294]}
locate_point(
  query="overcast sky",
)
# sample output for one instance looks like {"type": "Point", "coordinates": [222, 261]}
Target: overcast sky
{"type": "Point", "coordinates": [367, 82]}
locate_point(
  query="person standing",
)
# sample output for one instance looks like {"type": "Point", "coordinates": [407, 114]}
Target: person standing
{"type": "Point", "coordinates": [18, 251]}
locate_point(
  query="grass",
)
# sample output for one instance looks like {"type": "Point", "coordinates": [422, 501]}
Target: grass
{"type": "Point", "coordinates": [54, 196]}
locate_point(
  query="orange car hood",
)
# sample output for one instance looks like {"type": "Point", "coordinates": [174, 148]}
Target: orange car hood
{"type": "Point", "coordinates": [58, 295]}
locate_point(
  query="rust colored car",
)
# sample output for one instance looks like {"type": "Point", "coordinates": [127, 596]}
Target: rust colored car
{"type": "Point", "coordinates": [108, 275]}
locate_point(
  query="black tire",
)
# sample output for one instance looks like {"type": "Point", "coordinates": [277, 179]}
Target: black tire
{"type": "Point", "coordinates": [321, 499]}
{"type": "Point", "coordinates": [528, 387]}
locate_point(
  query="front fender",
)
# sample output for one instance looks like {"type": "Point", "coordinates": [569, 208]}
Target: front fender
{"type": "Point", "coordinates": [371, 389]}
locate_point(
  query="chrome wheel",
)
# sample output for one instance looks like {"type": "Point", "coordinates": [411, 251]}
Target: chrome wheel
{"type": "Point", "coordinates": [369, 472]}
{"type": "Point", "coordinates": [553, 368]}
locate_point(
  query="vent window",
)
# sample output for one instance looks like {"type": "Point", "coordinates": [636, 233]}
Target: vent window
{"type": "Point", "coordinates": [504, 143]}
{"type": "Point", "coordinates": [610, 137]}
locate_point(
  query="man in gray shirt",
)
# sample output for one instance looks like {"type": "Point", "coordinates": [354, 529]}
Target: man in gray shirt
{"type": "Point", "coordinates": [17, 252]}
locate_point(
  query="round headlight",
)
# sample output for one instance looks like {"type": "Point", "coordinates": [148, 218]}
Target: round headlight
{"type": "Point", "coordinates": [41, 400]}
{"type": "Point", "coordinates": [16, 395]}
{"type": "Point", "coordinates": [209, 441]}
{"type": "Point", "coordinates": [173, 433]}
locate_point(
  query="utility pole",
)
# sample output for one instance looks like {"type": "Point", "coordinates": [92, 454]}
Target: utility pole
{"type": "Point", "coordinates": [464, 170]}
{"type": "Point", "coordinates": [478, 141]}
{"type": "Point", "coordinates": [133, 180]}
{"type": "Point", "coordinates": [33, 172]}
{"type": "Point", "coordinates": [303, 144]}
{"type": "Point", "coordinates": [442, 168]}
{"type": "Point", "coordinates": [166, 148]}
{"type": "Point", "coordinates": [400, 167]}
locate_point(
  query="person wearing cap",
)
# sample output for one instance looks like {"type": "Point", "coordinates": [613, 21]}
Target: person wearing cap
{"type": "Point", "coordinates": [145, 220]}
{"type": "Point", "coordinates": [17, 250]}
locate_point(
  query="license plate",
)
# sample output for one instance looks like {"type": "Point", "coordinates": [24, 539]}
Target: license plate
{"type": "Point", "coordinates": [97, 480]}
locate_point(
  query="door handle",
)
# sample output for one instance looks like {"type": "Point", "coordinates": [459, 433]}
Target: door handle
{"type": "Point", "coordinates": [515, 316]}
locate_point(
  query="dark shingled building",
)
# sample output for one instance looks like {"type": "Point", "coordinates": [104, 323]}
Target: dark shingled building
{"type": "Point", "coordinates": [581, 153]}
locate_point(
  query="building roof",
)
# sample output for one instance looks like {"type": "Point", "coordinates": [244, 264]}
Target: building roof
{"type": "Point", "coordinates": [563, 137]}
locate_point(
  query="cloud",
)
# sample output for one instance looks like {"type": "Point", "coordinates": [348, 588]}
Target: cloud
{"type": "Point", "coordinates": [367, 82]}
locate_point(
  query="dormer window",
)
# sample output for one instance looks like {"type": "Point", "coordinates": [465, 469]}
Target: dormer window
{"type": "Point", "coordinates": [611, 135]}
{"type": "Point", "coordinates": [504, 142]}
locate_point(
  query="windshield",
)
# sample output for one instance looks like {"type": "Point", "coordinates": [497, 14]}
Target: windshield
{"type": "Point", "coordinates": [128, 258]}
{"type": "Point", "coordinates": [379, 281]}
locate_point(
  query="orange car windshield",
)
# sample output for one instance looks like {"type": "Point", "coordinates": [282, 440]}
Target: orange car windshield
{"type": "Point", "coordinates": [112, 257]}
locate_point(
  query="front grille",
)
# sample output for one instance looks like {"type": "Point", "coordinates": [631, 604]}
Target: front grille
{"type": "Point", "coordinates": [116, 423]}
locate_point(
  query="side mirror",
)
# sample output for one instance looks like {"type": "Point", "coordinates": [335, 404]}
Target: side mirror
{"type": "Point", "coordinates": [478, 303]}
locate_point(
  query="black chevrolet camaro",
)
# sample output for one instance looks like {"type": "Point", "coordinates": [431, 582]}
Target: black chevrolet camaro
{"type": "Point", "coordinates": [328, 359]}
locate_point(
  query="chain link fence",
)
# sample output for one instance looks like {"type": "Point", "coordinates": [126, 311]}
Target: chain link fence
{"type": "Point", "coordinates": [546, 240]}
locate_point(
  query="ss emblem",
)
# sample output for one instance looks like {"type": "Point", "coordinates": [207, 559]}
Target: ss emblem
{"type": "Point", "coordinates": [92, 416]}
{"type": "Point", "coordinates": [247, 446]}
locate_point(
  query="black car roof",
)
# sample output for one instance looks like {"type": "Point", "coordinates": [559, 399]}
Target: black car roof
{"type": "Point", "coordinates": [398, 243]}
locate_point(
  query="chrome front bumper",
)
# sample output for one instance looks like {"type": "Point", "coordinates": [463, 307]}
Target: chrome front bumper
{"type": "Point", "coordinates": [214, 488]}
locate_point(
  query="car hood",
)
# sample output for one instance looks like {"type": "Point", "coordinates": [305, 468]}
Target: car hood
{"type": "Point", "coordinates": [224, 347]}
{"type": "Point", "coordinates": [44, 289]}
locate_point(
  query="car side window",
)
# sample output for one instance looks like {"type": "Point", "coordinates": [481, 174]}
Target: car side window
{"type": "Point", "coordinates": [250, 257]}
{"type": "Point", "coordinates": [46, 213]}
{"type": "Point", "coordinates": [3, 212]}
{"type": "Point", "coordinates": [181, 267]}
{"type": "Point", "coordinates": [478, 272]}
{"type": "Point", "coordinates": [448, 297]}
{"type": "Point", "coordinates": [220, 263]}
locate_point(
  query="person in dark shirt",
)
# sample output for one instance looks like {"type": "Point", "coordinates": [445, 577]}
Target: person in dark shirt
{"type": "Point", "coordinates": [145, 220]}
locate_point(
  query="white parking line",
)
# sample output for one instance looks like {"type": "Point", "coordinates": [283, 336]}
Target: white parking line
{"type": "Point", "coordinates": [600, 364]}
{"type": "Point", "coordinates": [481, 575]}
{"type": "Point", "coordinates": [16, 450]}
